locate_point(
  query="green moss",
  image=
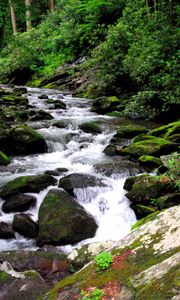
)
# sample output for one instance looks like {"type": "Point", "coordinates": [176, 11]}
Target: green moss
{"type": "Point", "coordinates": [166, 130]}
{"type": "Point", "coordinates": [145, 220]}
{"type": "Point", "coordinates": [4, 277]}
{"type": "Point", "coordinates": [31, 274]}
{"type": "Point", "coordinates": [149, 161]}
{"type": "Point", "coordinates": [50, 86]}
{"type": "Point", "coordinates": [4, 159]}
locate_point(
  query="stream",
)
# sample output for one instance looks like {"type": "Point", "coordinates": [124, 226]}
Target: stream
{"type": "Point", "coordinates": [79, 152]}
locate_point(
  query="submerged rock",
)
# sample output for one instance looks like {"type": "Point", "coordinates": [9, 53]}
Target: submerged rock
{"type": "Point", "coordinates": [91, 127]}
{"type": "Point", "coordinates": [27, 184]}
{"type": "Point", "coordinates": [24, 225]}
{"type": "Point", "coordinates": [79, 181]}
{"type": "Point", "coordinates": [63, 221]}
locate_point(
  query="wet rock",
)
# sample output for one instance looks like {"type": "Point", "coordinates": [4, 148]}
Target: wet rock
{"type": "Point", "coordinates": [24, 140]}
{"type": "Point", "coordinates": [39, 115]}
{"type": "Point", "coordinates": [131, 180]}
{"type": "Point", "coordinates": [113, 150]}
{"type": "Point", "coordinates": [168, 200]}
{"type": "Point", "coordinates": [20, 90]}
{"type": "Point", "coordinates": [56, 172]}
{"type": "Point", "coordinates": [57, 103]}
{"type": "Point", "coordinates": [63, 221]}
{"type": "Point", "coordinates": [43, 96]}
{"type": "Point", "coordinates": [152, 147]}
{"type": "Point", "coordinates": [4, 159]}
{"type": "Point", "coordinates": [149, 187]}
{"type": "Point", "coordinates": [120, 166]}
{"type": "Point", "coordinates": [79, 181]}
{"type": "Point", "coordinates": [60, 124]}
{"type": "Point", "coordinates": [130, 131]}
{"type": "Point", "coordinates": [18, 203]}
{"type": "Point", "coordinates": [6, 231]}
{"type": "Point", "coordinates": [9, 100]}
{"type": "Point", "coordinates": [27, 184]}
{"type": "Point", "coordinates": [167, 130]}
{"type": "Point", "coordinates": [25, 226]}
{"type": "Point", "coordinates": [149, 161]}
{"type": "Point", "coordinates": [104, 105]}
{"type": "Point", "coordinates": [142, 211]}
{"type": "Point", "coordinates": [90, 127]}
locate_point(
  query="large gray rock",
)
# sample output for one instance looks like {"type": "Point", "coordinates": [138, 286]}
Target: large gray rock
{"type": "Point", "coordinates": [18, 203]}
{"type": "Point", "coordinates": [63, 221]}
{"type": "Point", "coordinates": [24, 225]}
{"type": "Point", "coordinates": [79, 181]}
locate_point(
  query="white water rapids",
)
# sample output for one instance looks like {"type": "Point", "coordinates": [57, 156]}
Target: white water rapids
{"type": "Point", "coordinates": [77, 151]}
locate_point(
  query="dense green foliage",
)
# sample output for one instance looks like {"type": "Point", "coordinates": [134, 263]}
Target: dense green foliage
{"type": "Point", "coordinates": [132, 48]}
{"type": "Point", "coordinates": [103, 260]}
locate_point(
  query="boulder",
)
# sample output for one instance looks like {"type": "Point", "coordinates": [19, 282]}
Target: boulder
{"type": "Point", "coordinates": [39, 115]}
{"type": "Point", "coordinates": [4, 159]}
{"type": "Point", "coordinates": [168, 200]}
{"type": "Point", "coordinates": [57, 103]}
{"type": "Point", "coordinates": [20, 90]}
{"type": "Point", "coordinates": [6, 231]}
{"type": "Point", "coordinates": [104, 105]}
{"type": "Point", "coordinates": [142, 211]}
{"type": "Point", "coordinates": [18, 203]}
{"type": "Point", "coordinates": [56, 172]}
{"type": "Point", "coordinates": [78, 181]}
{"type": "Point", "coordinates": [149, 161]}
{"type": "Point", "coordinates": [27, 184]}
{"type": "Point", "coordinates": [63, 221]}
{"type": "Point", "coordinates": [43, 96]}
{"type": "Point", "coordinates": [129, 131]}
{"type": "Point", "coordinates": [25, 140]}
{"type": "Point", "coordinates": [60, 124]}
{"type": "Point", "coordinates": [152, 147]}
{"type": "Point", "coordinates": [131, 180]}
{"type": "Point", "coordinates": [113, 150]}
{"type": "Point", "coordinates": [147, 188]}
{"type": "Point", "coordinates": [90, 127]}
{"type": "Point", "coordinates": [25, 226]}
{"type": "Point", "coordinates": [167, 130]}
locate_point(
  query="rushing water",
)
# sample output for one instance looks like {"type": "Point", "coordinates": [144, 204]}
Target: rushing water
{"type": "Point", "coordinates": [77, 151]}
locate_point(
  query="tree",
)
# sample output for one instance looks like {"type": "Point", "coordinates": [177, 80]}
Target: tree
{"type": "Point", "coordinates": [51, 4]}
{"type": "Point", "coordinates": [13, 17]}
{"type": "Point", "coordinates": [28, 14]}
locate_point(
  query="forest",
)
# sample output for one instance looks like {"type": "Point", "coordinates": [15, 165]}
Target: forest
{"type": "Point", "coordinates": [128, 49]}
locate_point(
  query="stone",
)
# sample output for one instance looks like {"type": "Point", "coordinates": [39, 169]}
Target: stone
{"type": "Point", "coordinates": [168, 200]}
{"type": "Point", "coordinates": [25, 226]}
{"type": "Point", "coordinates": [130, 131]}
{"type": "Point", "coordinates": [63, 221]}
{"type": "Point", "coordinates": [104, 105]}
{"type": "Point", "coordinates": [167, 130]}
{"type": "Point", "coordinates": [27, 184]}
{"type": "Point", "coordinates": [78, 181]}
{"type": "Point", "coordinates": [39, 115]}
{"type": "Point", "coordinates": [149, 161]}
{"type": "Point", "coordinates": [142, 211]}
{"type": "Point", "coordinates": [43, 96]}
{"type": "Point", "coordinates": [18, 203]}
{"type": "Point", "coordinates": [6, 231]}
{"type": "Point", "coordinates": [20, 90]}
{"type": "Point", "coordinates": [57, 103]}
{"type": "Point", "coordinates": [90, 127]}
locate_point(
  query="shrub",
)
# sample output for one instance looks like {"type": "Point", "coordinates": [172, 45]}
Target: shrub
{"type": "Point", "coordinates": [103, 260]}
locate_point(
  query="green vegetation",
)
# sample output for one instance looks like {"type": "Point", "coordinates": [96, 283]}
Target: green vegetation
{"type": "Point", "coordinates": [103, 260]}
{"type": "Point", "coordinates": [130, 50]}
{"type": "Point", "coordinates": [94, 295]}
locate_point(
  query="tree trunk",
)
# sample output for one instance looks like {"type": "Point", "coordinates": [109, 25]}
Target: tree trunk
{"type": "Point", "coordinates": [28, 14]}
{"type": "Point", "coordinates": [51, 4]}
{"type": "Point", "coordinates": [13, 17]}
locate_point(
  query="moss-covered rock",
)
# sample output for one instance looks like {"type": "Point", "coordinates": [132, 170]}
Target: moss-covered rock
{"type": "Point", "coordinates": [167, 130]}
{"type": "Point", "coordinates": [104, 105]}
{"type": "Point", "coordinates": [27, 184]}
{"type": "Point", "coordinates": [39, 115]}
{"type": "Point", "coordinates": [131, 180]}
{"type": "Point", "coordinates": [57, 103]}
{"type": "Point", "coordinates": [152, 147]}
{"type": "Point", "coordinates": [148, 188]}
{"type": "Point", "coordinates": [168, 200]}
{"type": "Point", "coordinates": [4, 159]}
{"type": "Point", "coordinates": [142, 211]}
{"type": "Point", "coordinates": [149, 161]}
{"type": "Point", "coordinates": [90, 127]}
{"type": "Point", "coordinates": [24, 225]}
{"type": "Point", "coordinates": [63, 221]}
{"type": "Point", "coordinates": [25, 140]}
{"type": "Point", "coordinates": [13, 100]}
{"type": "Point", "coordinates": [130, 130]}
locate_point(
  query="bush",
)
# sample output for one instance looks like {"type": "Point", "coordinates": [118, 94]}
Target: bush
{"type": "Point", "coordinates": [103, 260]}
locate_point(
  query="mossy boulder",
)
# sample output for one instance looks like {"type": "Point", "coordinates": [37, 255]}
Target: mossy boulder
{"type": "Point", "coordinates": [152, 147]}
{"type": "Point", "coordinates": [6, 231]}
{"type": "Point", "coordinates": [168, 200]}
{"type": "Point", "coordinates": [113, 150]}
{"type": "Point", "coordinates": [104, 105]}
{"type": "Point", "coordinates": [167, 130]}
{"type": "Point", "coordinates": [27, 184]}
{"type": "Point", "coordinates": [43, 96]}
{"type": "Point", "coordinates": [39, 115]}
{"type": "Point", "coordinates": [25, 226]}
{"type": "Point", "coordinates": [149, 161]}
{"type": "Point", "coordinates": [25, 140]}
{"type": "Point", "coordinates": [58, 104]}
{"type": "Point", "coordinates": [20, 90]}
{"type": "Point", "coordinates": [79, 181]}
{"type": "Point", "coordinates": [18, 203]}
{"type": "Point", "coordinates": [90, 127]}
{"type": "Point", "coordinates": [142, 211]}
{"type": "Point", "coordinates": [147, 188]}
{"type": "Point", "coordinates": [63, 221]}
{"type": "Point", "coordinates": [131, 180]}
{"type": "Point", "coordinates": [9, 100]}
{"type": "Point", "coordinates": [4, 159]}
{"type": "Point", "coordinates": [130, 131]}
